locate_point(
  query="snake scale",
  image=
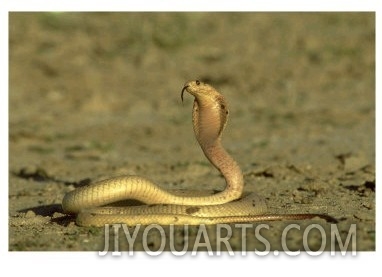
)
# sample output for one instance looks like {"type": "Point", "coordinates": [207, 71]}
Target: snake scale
{"type": "Point", "coordinates": [209, 117]}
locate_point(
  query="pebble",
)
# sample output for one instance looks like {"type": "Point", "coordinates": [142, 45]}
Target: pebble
{"type": "Point", "coordinates": [30, 214]}
{"type": "Point", "coordinates": [57, 215]}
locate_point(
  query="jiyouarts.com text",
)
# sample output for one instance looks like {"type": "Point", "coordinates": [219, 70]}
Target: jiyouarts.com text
{"type": "Point", "coordinates": [232, 239]}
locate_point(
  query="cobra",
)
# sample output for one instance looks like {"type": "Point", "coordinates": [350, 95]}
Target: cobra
{"type": "Point", "coordinates": [209, 116]}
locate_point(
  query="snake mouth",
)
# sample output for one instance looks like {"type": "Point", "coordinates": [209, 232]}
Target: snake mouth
{"type": "Point", "coordinates": [184, 88]}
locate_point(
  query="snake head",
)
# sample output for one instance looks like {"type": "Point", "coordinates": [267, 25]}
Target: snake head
{"type": "Point", "coordinates": [198, 89]}
{"type": "Point", "coordinates": [205, 95]}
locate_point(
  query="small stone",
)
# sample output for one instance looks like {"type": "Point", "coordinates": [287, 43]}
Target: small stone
{"type": "Point", "coordinates": [57, 215]}
{"type": "Point", "coordinates": [71, 225]}
{"type": "Point", "coordinates": [30, 214]}
{"type": "Point", "coordinates": [353, 163]}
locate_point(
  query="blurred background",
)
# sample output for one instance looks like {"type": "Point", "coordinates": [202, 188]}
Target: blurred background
{"type": "Point", "coordinates": [71, 73]}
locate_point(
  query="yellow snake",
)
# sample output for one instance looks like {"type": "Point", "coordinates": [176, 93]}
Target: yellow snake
{"type": "Point", "coordinates": [209, 116]}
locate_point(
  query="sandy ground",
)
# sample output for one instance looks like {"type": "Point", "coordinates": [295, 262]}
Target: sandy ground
{"type": "Point", "coordinates": [98, 95]}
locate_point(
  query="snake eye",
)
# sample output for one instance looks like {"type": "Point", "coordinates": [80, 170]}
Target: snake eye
{"type": "Point", "coordinates": [197, 82]}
